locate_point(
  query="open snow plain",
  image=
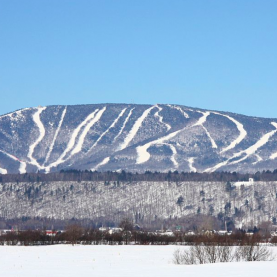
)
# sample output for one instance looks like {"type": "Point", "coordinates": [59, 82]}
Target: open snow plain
{"type": "Point", "coordinates": [123, 261]}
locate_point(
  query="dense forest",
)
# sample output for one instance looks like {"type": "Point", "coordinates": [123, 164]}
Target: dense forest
{"type": "Point", "coordinates": [77, 175]}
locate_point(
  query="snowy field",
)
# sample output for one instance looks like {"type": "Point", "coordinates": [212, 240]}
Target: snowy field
{"type": "Point", "coordinates": [105, 261]}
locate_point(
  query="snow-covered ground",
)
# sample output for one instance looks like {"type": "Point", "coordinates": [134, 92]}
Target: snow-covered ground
{"type": "Point", "coordinates": [105, 261]}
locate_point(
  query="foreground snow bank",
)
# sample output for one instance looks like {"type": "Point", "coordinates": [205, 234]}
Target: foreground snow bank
{"type": "Point", "coordinates": [105, 261]}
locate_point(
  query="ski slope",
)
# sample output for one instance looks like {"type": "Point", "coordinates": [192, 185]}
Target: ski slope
{"type": "Point", "coordinates": [273, 156]}
{"type": "Point", "coordinates": [142, 153]}
{"type": "Point", "coordinates": [105, 161]}
{"type": "Point", "coordinates": [201, 122]}
{"type": "Point", "coordinates": [124, 124]}
{"type": "Point", "coordinates": [79, 145]}
{"type": "Point", "coordinates": [72, 140]}
{"type": "Point", "coordinates": [242, 133]}
{"type": "Point", "coordinates": [135, 128]}
{"type": "Point", "coordinates": [3, 171]}
{"type": "Point", "coordinates": [110, 127]}
{"type": "Point", "coordinates": [173, 156]}
{"type": "Point", "coordinates": [22, 166]}
{"type": "Point", "coordinates": [191, 167]}
{"type": "Point", "coordinates": [247, 152]}
{"type": "Point", "coordinates": [55, 136]}
{"type": "Point", "coordinates": [259, 159]}
{"type": "Point", "coordinates": [160, 118]}
{"type": "Point", "coordinates": [252, 150]}
{"type": "Point", "coordinates": [36, 118]}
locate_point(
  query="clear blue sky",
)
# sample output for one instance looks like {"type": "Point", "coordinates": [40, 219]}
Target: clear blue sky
{"type": "Point", "coordinates": [214, 54]}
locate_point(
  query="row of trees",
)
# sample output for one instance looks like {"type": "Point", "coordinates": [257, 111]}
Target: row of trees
{"type": "Point", "coordinates": [78, 176]}
{"type": "Point", "coordinates": [75, 234]}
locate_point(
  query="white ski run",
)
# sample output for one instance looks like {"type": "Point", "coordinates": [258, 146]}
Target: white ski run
{"type": "Point", "coordinates": [191, 167]}
{"type": "Point", "coordinates": [273, 156]}
{"type": "Point", "coordinates": [55, 137]}
{"type": "Point", "coordinates": [110, 127]}
{"type": "Point", "coordinates": [161, 118]}
{"type": "Point", "coordinates": [3, 171]}
{"type": "Point", "coordinates": [259, 159]}
{"type": "Point", "coordinates": [72, 140]}
{"type": "Point", "coordinates": [124, 124]}
{"type": "Point", "coordinates": [135, 128]}
{"type": "Point", "coordinates": [105, 161]}
{"type": "Point", "coordinates": [80, 142]}
{"type": "Point", "coordinates": [242, 132]}
{"type": "Point", "coordinates": [201, 121]}
{"type": "Point", "coordinates": [248, 152]}
{"type": "Point", "coordinates": [173, 156]}
{"type": "Point", "coordinates": [36, 118]}
{"type": "Point", "coordinates": [144, 156]}
{"type": "Point", "coordinates": [22, 166]}
{"type": "Point", "coordinates": [252, 149]}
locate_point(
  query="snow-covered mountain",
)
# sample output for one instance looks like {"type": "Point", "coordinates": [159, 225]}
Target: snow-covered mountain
{"type": "Point", "coordinates": [135, 138]}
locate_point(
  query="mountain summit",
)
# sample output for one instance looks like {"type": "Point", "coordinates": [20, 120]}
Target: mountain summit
{"type": "Point", "coordinates": [135, 138]}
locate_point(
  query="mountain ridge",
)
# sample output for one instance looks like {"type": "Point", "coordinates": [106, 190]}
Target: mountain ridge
{"type": "Point", "coordinates": [132, 137]}
{"type": "Point", "coordinates": [172, 104]}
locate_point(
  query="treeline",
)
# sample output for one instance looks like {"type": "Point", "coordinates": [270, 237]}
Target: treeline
{"type": "Point", "coordinates": [79, 176]}
{"type": "Point", "coordinates": [75, 234]}
{"type": "Point", "coordinates": [193, 222]}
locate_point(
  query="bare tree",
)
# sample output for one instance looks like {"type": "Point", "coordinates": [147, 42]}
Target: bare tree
{"type": "Point", "coordinates": [73, 233]}
{"type": "Point", "coordinates": [204, 254]}
{"type": "Point", "coordinates": [127, 225]}
{"type": "Point", "coordinates": [254, 252]}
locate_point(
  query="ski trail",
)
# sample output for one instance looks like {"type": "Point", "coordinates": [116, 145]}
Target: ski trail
{"type": "Point", "coordinates": [252, 149]}
{"type": "Point", "coordinates": [55, 136]}
{"type": "Point", "coordinates": [161, 118]}
{"type": "Point", "coordinates": [259, 159]}
{"type": "Point", "coordinates": [180, 110]}
{"type": "Point", "coordinates": [191, 167]}
{"type": "Point", "coordinates": [36, 119]}
{"type": "Point", "coordinates": [22, 167]}
{"type": "Point", "coordinates": [135, 129]}
{"type": "Point", "coordinates": [105, 161]}
{"type": "Point", "coordinates": [242, 132]}
{"type": "Point", "coordinates": [273, 156]}
{"type": "Point", "coordinates": [82, 137]}
{"type": "Point", "coordinates": [202, 120]}
{"type": "Point", "coordinates": [172, 158]}
{"type": "Point", "coordinates": [142, 153]}
{"type": "Point", "coordinates": [111, 126]}
{"type": "Point", "coordinates": [3, 171]}
{"type": "Point", "coordinates": [247, 152]}
{"type": "Point", "coordinates": [211, 139]}
{"type": "Point", "coordinates": [124, 124]}
{"type": "Point", "coordinates": [72, 140]}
